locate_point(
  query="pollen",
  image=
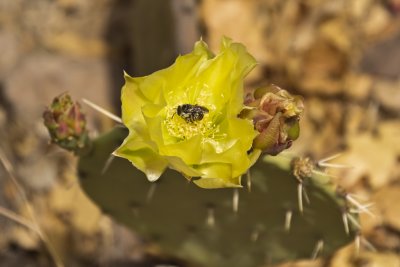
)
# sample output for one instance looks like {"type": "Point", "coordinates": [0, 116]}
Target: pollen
{"type": "Point", "coordinates": [183, 130]}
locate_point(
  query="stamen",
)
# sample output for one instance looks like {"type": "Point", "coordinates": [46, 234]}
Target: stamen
{"type": "Point", "coordinates": [181, 129]}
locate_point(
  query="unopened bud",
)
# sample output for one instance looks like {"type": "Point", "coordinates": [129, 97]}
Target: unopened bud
{"type": "Point", "coordinates": [275, 114]}
{"type": "Point", "coordinates": [66, 124]}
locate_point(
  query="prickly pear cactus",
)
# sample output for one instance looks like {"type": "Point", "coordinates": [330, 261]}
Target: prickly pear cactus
{"type": "Point", "coordinates": [246, 227]}
{"type": "Point", "coordinates": [193, 120]}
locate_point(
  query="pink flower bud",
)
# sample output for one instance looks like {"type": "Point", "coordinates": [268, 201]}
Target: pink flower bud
{"type": "Point", "coordinates": [275, 114]}
{"type": "Point", "coordinates": [66, 123]}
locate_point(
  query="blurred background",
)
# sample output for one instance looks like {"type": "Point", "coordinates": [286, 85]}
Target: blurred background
{"type": "Point", "coordinates": [343, 56]}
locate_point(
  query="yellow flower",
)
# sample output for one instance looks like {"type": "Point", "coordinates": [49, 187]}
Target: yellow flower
{"type": "Point", "coordinates": [185, 117]}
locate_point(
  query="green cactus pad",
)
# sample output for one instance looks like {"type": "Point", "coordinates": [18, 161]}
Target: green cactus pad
{"type": "Point", "coordinates": [200, 225]}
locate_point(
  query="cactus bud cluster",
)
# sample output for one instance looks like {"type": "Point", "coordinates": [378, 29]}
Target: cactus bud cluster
{"type": "Point", "coordinates": [66, 124]}
{"type": "Point", "coordinates": [275, 114]}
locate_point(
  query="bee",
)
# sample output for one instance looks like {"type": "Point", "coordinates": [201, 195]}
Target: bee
{"type": "Point", "coordinates": [191, 113]}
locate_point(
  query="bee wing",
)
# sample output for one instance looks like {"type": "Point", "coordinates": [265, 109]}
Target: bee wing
{"type": "Point", "coordinates": [204, 109]}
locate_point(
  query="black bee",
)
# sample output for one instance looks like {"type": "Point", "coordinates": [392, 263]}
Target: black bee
{"type": "Point", "coordinates": [191, 113]}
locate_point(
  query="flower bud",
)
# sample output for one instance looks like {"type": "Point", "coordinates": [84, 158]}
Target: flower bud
{"type": "Point", "coordinates": [66, 124]}
{"type": "Point", "coordinates": [275, 114]}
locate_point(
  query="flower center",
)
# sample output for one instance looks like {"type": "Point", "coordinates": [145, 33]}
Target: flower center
{"type": "Point", "coordinates": [185, 121]}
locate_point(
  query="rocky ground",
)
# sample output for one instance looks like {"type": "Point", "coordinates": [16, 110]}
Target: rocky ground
{"type": "Point", "coordinates": [343, 56]}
